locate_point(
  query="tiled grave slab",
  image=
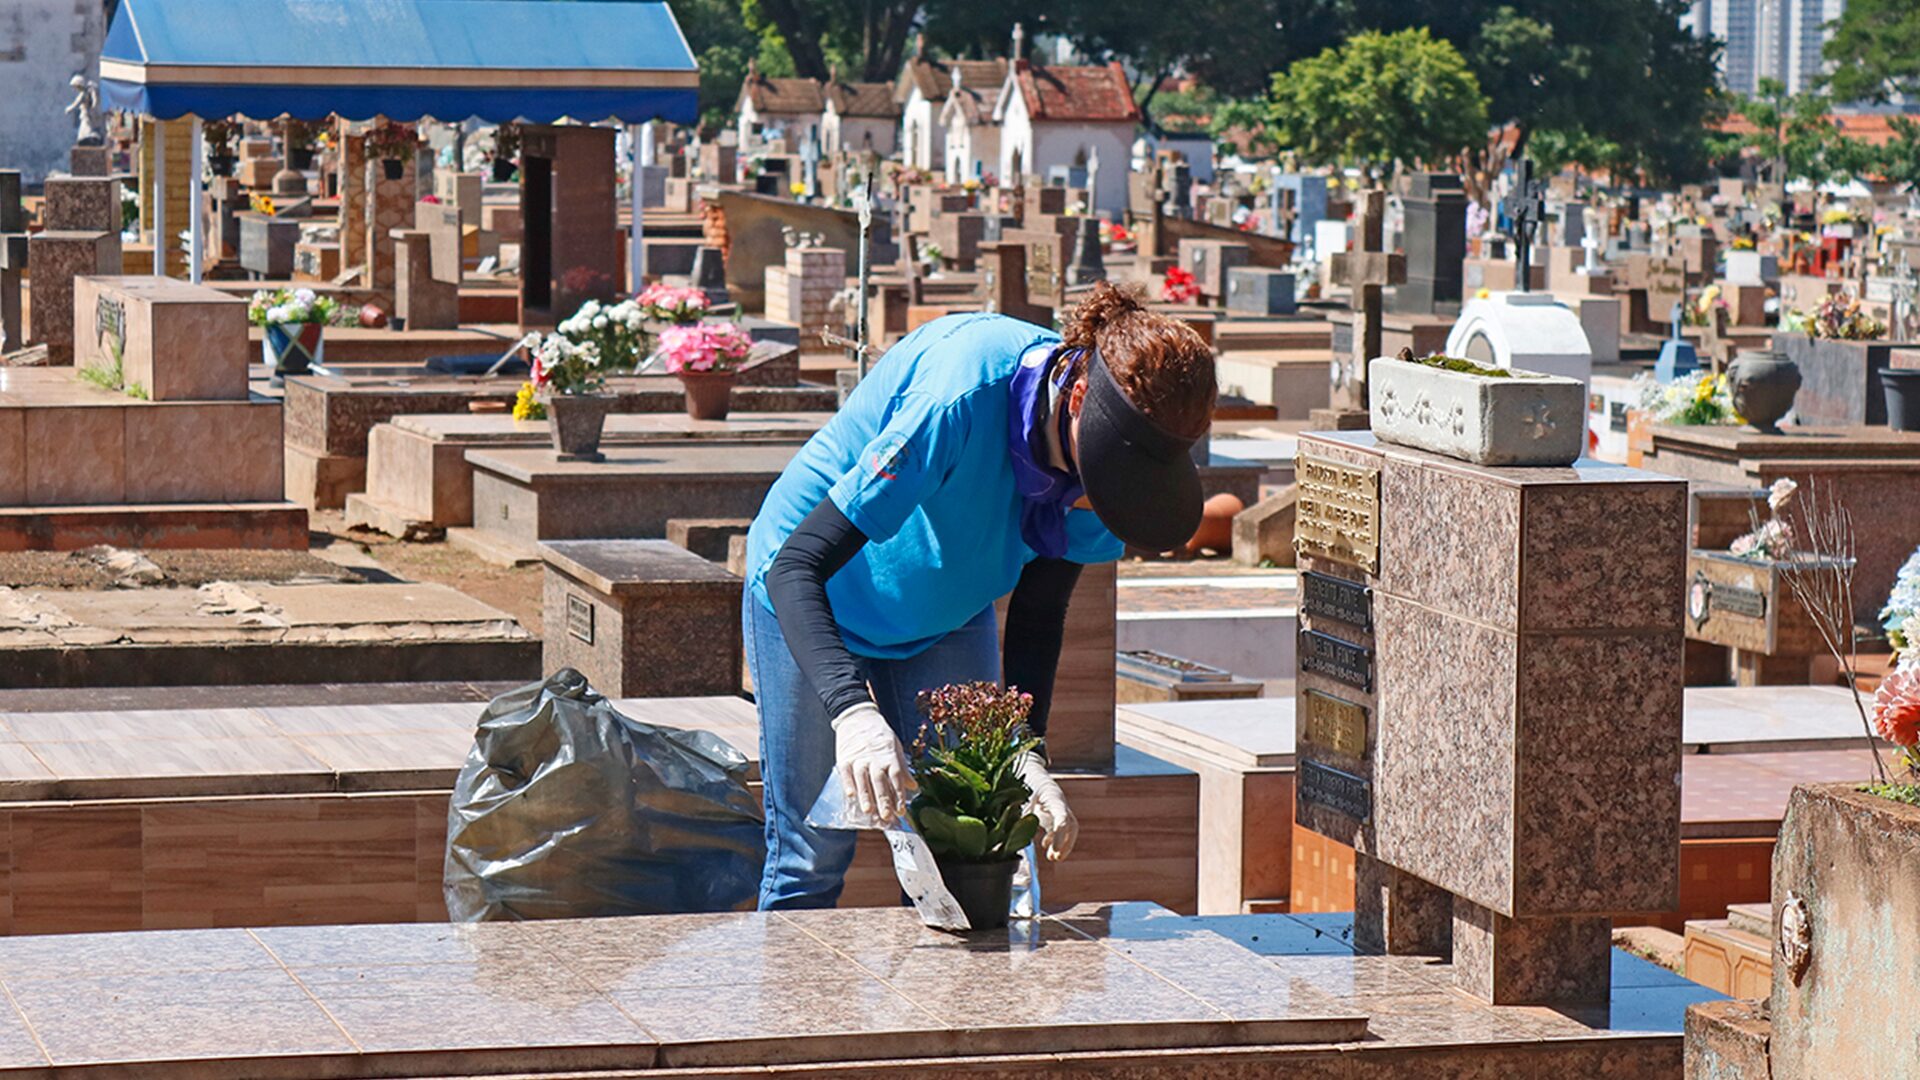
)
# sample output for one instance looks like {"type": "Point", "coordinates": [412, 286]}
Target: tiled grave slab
{"type": "Point", "coordinates": [1123, 990]}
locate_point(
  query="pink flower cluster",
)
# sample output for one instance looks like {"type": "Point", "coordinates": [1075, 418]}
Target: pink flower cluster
{"type": "Point", "coordinates": [1896, 708]}
{"type": "Point", "coordinates": [673, 303]}
{"type": "Point", "coordinates": [719, 346]}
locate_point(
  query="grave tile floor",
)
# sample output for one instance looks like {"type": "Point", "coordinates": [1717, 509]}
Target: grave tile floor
{"type": "Point", "coordinates": [748, 989]}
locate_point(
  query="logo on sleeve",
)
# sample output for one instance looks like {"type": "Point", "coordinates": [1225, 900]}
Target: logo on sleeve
{"type": "Point", "coordinates": [890, 458]}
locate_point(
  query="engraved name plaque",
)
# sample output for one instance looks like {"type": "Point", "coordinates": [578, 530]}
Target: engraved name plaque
{"type": "Point", "coordinates": [1341, 792]}
{"type": "Point", "coordinates": [1323, 595]}
{"type": "Point", "coordinates": [1343, 661]}
{"type": "Point", "coordinates": [1335, 724]}
{"type": "Point", "coordinates": [1337, 514]}
{"type": "Point", "coordinates": [579, 618]}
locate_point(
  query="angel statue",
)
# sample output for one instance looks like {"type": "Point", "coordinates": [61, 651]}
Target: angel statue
{"type": "Point", "coordinates": [86, 110]}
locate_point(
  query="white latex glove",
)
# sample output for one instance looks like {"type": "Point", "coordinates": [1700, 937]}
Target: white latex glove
{"type": "Point", "coordinates": [872, 763]}
{"type": "Point", "coordinates": [1058, 827]}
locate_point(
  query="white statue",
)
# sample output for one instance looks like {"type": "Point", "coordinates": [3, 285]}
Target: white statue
{"type": "Point", "coordinates": [86, 110]}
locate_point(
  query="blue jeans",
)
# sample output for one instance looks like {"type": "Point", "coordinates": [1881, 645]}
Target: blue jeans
{"type": "Point", "coordinates": [806, 866]}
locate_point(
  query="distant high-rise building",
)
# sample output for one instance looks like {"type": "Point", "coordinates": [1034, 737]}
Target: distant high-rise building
{"type": "Point", "coordinates": [1767, 39]}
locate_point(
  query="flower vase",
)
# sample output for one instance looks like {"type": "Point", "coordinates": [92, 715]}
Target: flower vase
{"type": "Point", "coordinates": [392, 168]}
{"type": "Point", "coordinates": [576, 421]}
{"type": "Point", "coordinates": [292, 348]}
{"type": "Point", "coordinates": [1763, 384]}
{"type": "Point", "coordinates": [709, 393]}
{"type": "Point", "coordinates": [984, 890]}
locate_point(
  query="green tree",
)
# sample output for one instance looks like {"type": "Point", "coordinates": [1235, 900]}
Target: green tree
{"type": "Point", "coordinates": [1875, 50]}
{"type": "Point", "coordinates": [722, 43]}
{"type": "Point", "coordinates": [1795, 136]}
{"type": "Point", "coordinates": [1378, 100]}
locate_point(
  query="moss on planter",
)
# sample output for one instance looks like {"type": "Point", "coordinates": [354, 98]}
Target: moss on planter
{"type": "Point", "coordinates": [1468, 367]}
{"type": "Point", "coordinates": [1901, 793]}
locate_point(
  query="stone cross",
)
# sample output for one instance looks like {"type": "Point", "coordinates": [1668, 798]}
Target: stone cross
{"type": "Point", "coordinates": [1093, 180]}
{"type": "Point", "coordinates": [13, 259]}
{"type": "Point", "coordinates": [1903, 315]}
{"type": "Point", "coordinates": [1367, 269]}
{"type": "Point", "coordinates": [1526, 207]}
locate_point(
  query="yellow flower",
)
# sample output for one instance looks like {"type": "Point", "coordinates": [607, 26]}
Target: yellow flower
{"type": "Point", "coordinates": [797, 188]}
{"type": "Point", "coordinates": [526, 406]}
{"type": "Point", "coordinates": [1703, 392]}
{"type": "Point", "coordinates": [1483, 293]}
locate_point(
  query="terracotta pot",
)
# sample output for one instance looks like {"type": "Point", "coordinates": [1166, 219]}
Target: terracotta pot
{"type": "Point", "coordinates": [709, 393]}
{"type": "Point", "coordinates": [576, 421]}
{"type": "Point", "coordinates": [1763, 385]}
{"type": "Point", "coordinates": [1216, 524]}
{"type": "Point", "coordinates": [372, 316]}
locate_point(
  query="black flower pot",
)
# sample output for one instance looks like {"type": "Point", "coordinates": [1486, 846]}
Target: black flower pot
{"type": "Point", "coordinates": [222, 164]}
{"type": "Point", "coordinates": [1903, 398]}
{"type": "Point", "coordinates": [984, 890]}
{"type": "Point", "coordinates": [394, 168]}
{"type": "Point", "coordinates": [502, 170]}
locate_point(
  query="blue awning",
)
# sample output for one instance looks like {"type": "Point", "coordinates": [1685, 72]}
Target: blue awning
{"type": "Point", "coordinates": [494, 60]}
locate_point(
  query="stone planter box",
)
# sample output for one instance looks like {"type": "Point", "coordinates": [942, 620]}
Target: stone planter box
{"type": "Point", "coordinates": [1844, 904]}
{"type": "Point", "coordinates": [1532, 420]}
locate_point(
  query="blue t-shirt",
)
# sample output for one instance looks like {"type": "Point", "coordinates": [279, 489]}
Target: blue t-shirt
{"type": "Point", "coordinates": [918, 460]}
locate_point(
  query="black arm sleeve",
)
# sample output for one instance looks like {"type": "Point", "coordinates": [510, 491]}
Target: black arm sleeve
{"type": "Point", "coordinates": [797, 586]}
{"type": "Point", "coordinates": [1036, 627]}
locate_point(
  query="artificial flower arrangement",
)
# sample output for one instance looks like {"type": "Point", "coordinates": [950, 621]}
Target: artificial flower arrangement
{"type": "Point", "coordinates": [1697, 398]}
{"type": "Point", "coordinates": [1901, 615]}
{"type": "Point", "coordinates": [931, 254]}
{"type": "Point", "coordinates": [704, 348]}
{"type": "Point", "coordinates": [1179, 286]}
{"type": "Point", "coordinates": [563, 366]}
{"type": "Point", "coordinates": [1771, 539]}
{"type": "Point", "coordinates": [1744, 243]}
{"type": "Point", "coordinates": [392, 140]}
{"type": "Point", "coordinates": [260, 204]}
{"type": "Point", "coordinates": [672, 303]}
{"type": "Point", "coordinates": [613, 330]}
{"type": "Point", "coordinates": [526, 403]}
{"type": "Point", "coordinates": [972, 804]}
{"type": "Point", "coordinates": [1701, 311]}
{"type": "Point", "coordinates": [280, 307]}
{"type": "Point", "coordinates": [1838, 316]}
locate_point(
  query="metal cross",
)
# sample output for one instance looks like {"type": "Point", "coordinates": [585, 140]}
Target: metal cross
{"type": "Point", "coordinates": [1526, 207]}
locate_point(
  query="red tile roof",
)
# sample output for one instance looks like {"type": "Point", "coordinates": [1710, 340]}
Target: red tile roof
{"type": "Point", "coordinates": [1875, 128]}
{"type": "Point", "coordinates": [770, 95]}
{"type": "Point", "coordinates": [1088, 94]}
{"type": "Point", "coordinates": [873, 99]}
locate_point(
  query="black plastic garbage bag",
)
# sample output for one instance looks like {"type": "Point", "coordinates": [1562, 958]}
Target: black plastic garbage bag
{"type": "Point", "coordinates": [568, 809]}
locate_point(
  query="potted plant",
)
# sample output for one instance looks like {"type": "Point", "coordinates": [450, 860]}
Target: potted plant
{"type": "Point", "coordinates": [393, 144]}
{"type": "Point", "coordinates": [1485, 415]}
{"type": "Point", "coordinates": [295, 321]}
{"type": "Point", "coordinates": [219, 137]}
{"type": "Point", "coordinates": [673, 304]}
{"type": "Point", "coordinates": [972, 806]}
{"type": "Point", "coordinates": [706, 357]}
{"type": "Point", "coordinates": [569, 375]}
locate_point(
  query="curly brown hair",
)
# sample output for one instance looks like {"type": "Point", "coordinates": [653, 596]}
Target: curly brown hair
{"type": "Point", "coordinates": [1161, 363]}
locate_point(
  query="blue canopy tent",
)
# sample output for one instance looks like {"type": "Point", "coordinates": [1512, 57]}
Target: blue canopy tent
{"type": "Point", "coordinates": [452, 60]}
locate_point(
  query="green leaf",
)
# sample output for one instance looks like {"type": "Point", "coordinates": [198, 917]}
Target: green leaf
{"type": "Point", "coordinates": [1020, 835]}
{"type": "Point", "coordinates": [969, 836]}
{"type": "Point", "coordinates": [938, 826]}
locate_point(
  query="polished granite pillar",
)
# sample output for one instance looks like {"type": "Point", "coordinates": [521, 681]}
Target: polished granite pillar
{"type": "Point", "coordinates": [1497, 715]}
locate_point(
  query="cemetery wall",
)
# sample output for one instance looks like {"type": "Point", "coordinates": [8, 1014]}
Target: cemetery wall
{"type": "Point", "coordinates": [43, 43]}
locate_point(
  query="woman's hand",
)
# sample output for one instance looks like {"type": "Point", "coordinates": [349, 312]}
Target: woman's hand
{"type": "Point", "coordinates": [1058, 827]}
{"type": "Point", "coordinates": [873, 766]}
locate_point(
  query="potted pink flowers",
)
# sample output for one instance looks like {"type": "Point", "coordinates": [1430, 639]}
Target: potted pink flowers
{"type": "Point", "coordinates": [706, 357]}
{"type": "Point", "coordinates": [673, 303]}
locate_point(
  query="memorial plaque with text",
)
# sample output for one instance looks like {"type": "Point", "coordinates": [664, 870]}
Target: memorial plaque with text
{"type": "Point", "coordinates": [1342, 661]}
{"type": "Point", "coordinates": [1326, 596]}
{"type": "Point", "coordinates": [1334, 724]}
{"type": "Point", "coordinates": [1341, 792]}
{"type": "Point", "coordinates": [1337, 513]}
{"type": "Point", "coordinates": [580, 618]}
